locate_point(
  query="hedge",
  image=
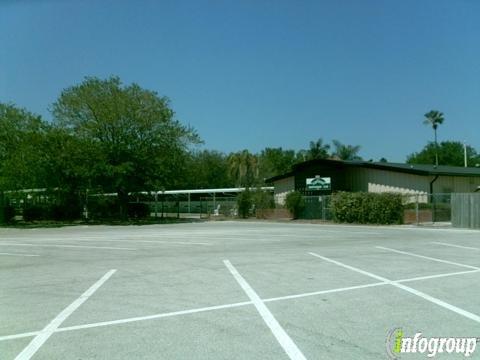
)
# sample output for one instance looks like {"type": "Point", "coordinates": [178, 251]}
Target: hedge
{"type": "Point", "coordinates": [294, 203]}
{"type": "Point", "coordinates": [367, 208]}
{"type": "Point", "coordinates": [244, 203]}
{"type": "Point", "coordinates": [7, 213]}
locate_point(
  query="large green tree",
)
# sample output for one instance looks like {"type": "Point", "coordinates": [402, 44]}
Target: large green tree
{"type": "Point", "coordinates": [318, 150]}
{"type": "Point", "coordinates": [22, 136]}
{"type": "Point", "coordinates": [275, 161]}
{"type": "Point", "coordinates": [449, 152]}
{"type": "Point", "coordinates": [141, 144]}
{"type": "Point", "coordinates": [434, 118]}
{"type": "Point", "coordinates": [207, 169]}
{"type": "Point", "coordinates": [243, 168]}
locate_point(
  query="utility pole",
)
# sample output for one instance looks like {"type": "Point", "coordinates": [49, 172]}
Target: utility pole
{"type": "Point", "coordinates": [465, 154]}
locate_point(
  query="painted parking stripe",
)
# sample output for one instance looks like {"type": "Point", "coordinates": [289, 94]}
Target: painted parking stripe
{"type": "Point", "coordinates": [226, 306]}
{"type": "Point", "coordinates": [280, 334]}
{"type": "Point", "coordinates": [67, 246]}
{"type": "Point", "coordinates": [12, 254]}
{"type": "Point", "coordinates": [129, 320]}
{"type": "Point", "coordinates": [44, 334]}
{"type": "Point", "coordinates": [420, 294]}
{"type": "Point", "coordinates": [428, 277]}
{"type": "Point", "coordinates": [427, 257]}
{"type": "Point", "coordinates": [455, 246]}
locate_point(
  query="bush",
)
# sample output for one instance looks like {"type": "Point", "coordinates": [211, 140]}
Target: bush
{"type": "Point", "coordinates": [138, 210]}
{"type": "Point", "coordinates": [104, 208]}
{"type": "Point", "coordinates": [62, 212]}
{"type": "Point", "coordinates": [367, 208]}
{"type": "Point", "coordinates": [295, 203]}
{"type": "Point", "coordinates": [35, 213]}
{"type": "Point", "coordinates": [263, 200]}
{"type": "Point", "coordinates": [244, 203]}
{"type": "Point", "coordinates": [8, 214]}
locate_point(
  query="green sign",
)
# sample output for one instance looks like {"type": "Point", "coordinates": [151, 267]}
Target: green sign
{"type": "Point", "coordinates": [319, 183]}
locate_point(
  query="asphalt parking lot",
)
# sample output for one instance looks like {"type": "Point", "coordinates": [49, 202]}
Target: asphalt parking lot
{"type": "Point", "coordinates": [234, 290]}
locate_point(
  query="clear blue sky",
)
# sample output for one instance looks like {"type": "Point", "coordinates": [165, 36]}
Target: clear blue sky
{"type": "Point", "coordinates": [257, 73]}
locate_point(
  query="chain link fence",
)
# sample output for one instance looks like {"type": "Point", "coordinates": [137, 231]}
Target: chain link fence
{"type": "Point", "coordinates": [418, 208]}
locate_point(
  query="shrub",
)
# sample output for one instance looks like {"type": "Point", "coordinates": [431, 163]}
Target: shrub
{"type": "Point", "coordinates": [8, 213]}
{"type": "Point", "coordinates": [64, 211]}
{"type": "Point", "coordinates": [244, 203]}
{"type": "Point", "coordinates": [104, 208]}
{"type": "Point", "coordinates": [367, 208]}
{"type": "Point", "coordinates": [264, 203]}
{"type": "Point", "coordinates": [295, 203]}
{"type": "Point", "coordinates": [35, 212]}
{"type": "Point", "coordinates": [263, 200]}
{"type": "Point", "coordinates": [138, 210]}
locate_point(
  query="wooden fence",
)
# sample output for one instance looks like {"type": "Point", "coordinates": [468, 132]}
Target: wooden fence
{"type": "Point", "coordinates": [466, 210]}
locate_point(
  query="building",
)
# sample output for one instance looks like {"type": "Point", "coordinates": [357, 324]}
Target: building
{"type": "Point", "coordinates": [323, 177]}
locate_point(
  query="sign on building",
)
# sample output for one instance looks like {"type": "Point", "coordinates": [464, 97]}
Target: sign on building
{"type": "Point", "coordinates": [319, 183]}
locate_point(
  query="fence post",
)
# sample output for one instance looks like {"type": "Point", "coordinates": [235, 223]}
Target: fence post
{"type": "Point", "coordinates": [178, 208]}
{"type": "Point", "coordinates": [434, 208]}
{"type": "Point", "coordinates": [163, 204]}
{"type": "Point", "coordinates": [417, 218]}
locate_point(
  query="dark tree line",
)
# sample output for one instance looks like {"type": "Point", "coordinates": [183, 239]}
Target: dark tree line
{"type": "Point", "coordinates": [106, 136]}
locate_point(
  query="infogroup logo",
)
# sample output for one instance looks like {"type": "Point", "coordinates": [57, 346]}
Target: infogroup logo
{"type": "Point", "coordinates": [397, 344]}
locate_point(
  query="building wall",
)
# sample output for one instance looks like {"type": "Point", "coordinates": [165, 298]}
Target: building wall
{"type": "Point", "coordinates": [336, 173]}
{"type": "Point", "coordinates": [457, 184]}
{"type": "Point", "coordinates": [282, 188]}
{"type": "Point", "coordinates": [375, 180]}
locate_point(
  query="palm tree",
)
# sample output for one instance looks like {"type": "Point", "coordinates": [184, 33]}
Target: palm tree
{"type": "Point", "coordinates": [243, 168]}
{"type": "Point", "coordinates": [318, 150]}
{"type": "Point", "coordinates": [345, 152]}
{"type": "Point", "coordinates": [434, 118]}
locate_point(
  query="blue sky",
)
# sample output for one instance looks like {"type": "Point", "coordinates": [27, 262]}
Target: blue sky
{"type": "Point", "coordinates": [257, 73]}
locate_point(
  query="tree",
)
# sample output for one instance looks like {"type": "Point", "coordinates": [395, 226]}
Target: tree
{"type": "Point", "coordinates": [142, 145]}
{"type": "Point", "coordinates": [275, 161]}
{"type": "Point", "coordinates": [317, 150]}
{"type": "Point", "coordinates": [243, 168]}
{"type": "Point", "coordinates": [22, 136]}
{"type": "Point", "coordinates": [450, 153]}
{"type": "Point", "coordinates": [345, 152]}
{"type": "Point", "coordinates": [207, 169]}
{"type": "Point", "coordinates": [434, 118]}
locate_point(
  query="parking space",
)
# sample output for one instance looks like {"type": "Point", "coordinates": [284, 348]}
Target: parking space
{"type": "Point", "coordinates": [236, 290]}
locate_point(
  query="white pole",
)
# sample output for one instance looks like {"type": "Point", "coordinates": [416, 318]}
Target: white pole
{"type": "Point", "coordinates": [465, 153]}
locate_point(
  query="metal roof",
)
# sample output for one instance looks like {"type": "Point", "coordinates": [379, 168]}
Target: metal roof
{"type": "Point", "coordinates": [418, 169]}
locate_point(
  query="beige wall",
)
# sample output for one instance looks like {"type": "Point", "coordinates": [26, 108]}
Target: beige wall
{"type": "Point", "coordinates": [448, 184]}
{"type": "Point", "coordinates": [282, 188]}
{"type": "Point", "coordinates": [374, 180]}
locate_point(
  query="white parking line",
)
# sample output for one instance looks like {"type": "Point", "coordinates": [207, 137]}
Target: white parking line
{"type": "Point", "coordinates": [67, 246]}
{"type": "Point", "coordinates": [455, 246]}
{"type": "Point", "coordinates": [12, 254]}
{"type": "Point", "coordinates": [314, 293]}
{"type": "Point", "coordinates": [282, 337]}
{"type": "Point", "coordinates": [428, 258]}
{"type": "Point", "coordinates": [428, 277]}
{"type": "Point", "coordinates": [129, 320]}
{"type": "Point", "coordinates": [427, 297]}
{"type": "Point", "coordinates": [44, 334]}
{"type": "Point", "coordinates": [226, 306]}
